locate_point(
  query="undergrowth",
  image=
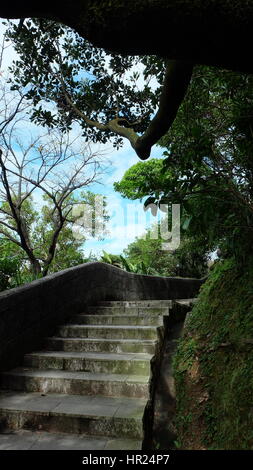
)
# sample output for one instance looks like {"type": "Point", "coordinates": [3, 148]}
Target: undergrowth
{"type": "Point", "coordinates": [213, 366]}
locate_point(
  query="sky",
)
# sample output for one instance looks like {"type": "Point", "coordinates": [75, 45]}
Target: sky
{"type": "Point", "coordinates": [127, 218]}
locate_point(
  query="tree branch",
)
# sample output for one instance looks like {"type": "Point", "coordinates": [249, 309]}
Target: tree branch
{"type": "Point", "coordinates": [9, 237]}
{"type": "Point", "coordinates": [89, 122]}
{"type": "Point", "coordinates": [177, 78]}
{"type": "Point", "coordinates": [21, 229]}
{"type": "Point", "coordinates": [8, 226]}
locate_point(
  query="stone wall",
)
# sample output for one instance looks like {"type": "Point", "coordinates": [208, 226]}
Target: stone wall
{"type": "Point", "coordinates": [32, 312]}
{"type": "Point", "coordinates": [158, 421]}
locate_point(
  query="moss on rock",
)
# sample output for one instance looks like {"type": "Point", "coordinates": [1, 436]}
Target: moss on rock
{"type": "Point", "coordinates": [213, 367]}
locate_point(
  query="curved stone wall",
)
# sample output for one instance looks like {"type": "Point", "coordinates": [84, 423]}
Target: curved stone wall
{"type": "Point", "coordinates": [31, 312]}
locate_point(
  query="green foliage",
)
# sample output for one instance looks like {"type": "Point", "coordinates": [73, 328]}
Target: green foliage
{"type": "Point", "coordinates": [149, 251]}
{"type": "Point", "coordinates": [69, 249]}
{"type": "Point", "coordinates": [218, 338]}
{"type": "Point", "coordinates": [189, 260]}
{"type": "Point", "coordinates": [15, 268]}
{"type": "Point", "coordinates": [134, 267]}
{"type": "Point", "coordinates": [142, 179]}
{"type": "Point", "coordinates": [208, 166]}
{"type": "Point", "coordinates": [154, 180]}
{"type": "Point", "coordinates": [9, 264]}
{"type": "Point", "coordinates": [54, 60]}
{"type": "Point", "coordinates": [139, 268]}
{"type": "Point", "coordinates": [111, 259]}
{"type": "Point", "coordinates": [208, 156]}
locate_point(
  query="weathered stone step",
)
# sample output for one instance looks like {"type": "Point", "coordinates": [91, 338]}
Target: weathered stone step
{"type": "Point", "coordinates": [92, 380]}
{"type": "Point", "coordinates": [142, 320]}
{"type": "Point", "coordinates": [120, 310]}
{"type": "Point", "coordinates": [137, 364]}
{"type": "Point", "coordinates": [29, 440]}
{"type": "Point", "coordinates": [108, 331]}
{"type": "Point", "coordinates": [91, 415]}
{"type": "Point", "coordinates": [76, 383]}
{"type": "Point", "coordinates": [135, 303]}
{"type": "Point", "coordinates": [100, 345]}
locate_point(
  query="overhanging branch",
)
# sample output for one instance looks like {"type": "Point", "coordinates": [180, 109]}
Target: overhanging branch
{"type": "Point", "coordinates": [177, 78]}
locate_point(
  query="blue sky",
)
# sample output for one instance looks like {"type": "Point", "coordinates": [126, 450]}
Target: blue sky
{"type": "Point", "coordinates": [121, 234]}
{"type": "Point", "coordinates": [117, 207]}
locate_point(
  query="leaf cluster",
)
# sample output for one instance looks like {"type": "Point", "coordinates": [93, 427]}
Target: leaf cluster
{"type": "Point", "coordinates": [208, 163]}
{"type": "Point", "coordinates": [54, 60]}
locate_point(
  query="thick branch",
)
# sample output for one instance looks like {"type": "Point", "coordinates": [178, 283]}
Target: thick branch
{"type": "Point", "coordinates": [177, 78]}
{"type": "Point", "coordinates": [9, 237]}
{"type": "Point", "coordinates": [8, 226]}
{"type": "Point", "coordinates": [54, 239]}
{"type": "Point", "coordinates": [176, 81]}
{"type": "Point", "coordinates": [89, 122]}
{"type": "Point", "coordinates": [214, 32]}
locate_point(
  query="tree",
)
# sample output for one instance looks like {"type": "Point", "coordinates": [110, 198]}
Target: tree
{"type": "Point", "coordinates": [15, 268]}
{"type": "Point", "coordinates": [208, 165]}
{"type": "Point", "coordinates": [36, 167]}
{"type": "Point", "coordinates": [189, 260]}
{"type": "Point", "coordinates": [209, 154]}
{"type": "Point", "coordinates": [142, 179]}
{"type": "Point", "coordinates": [10, 260]}
{"type": "Point", "coordinates": [145, 255]}
{"type": "Point", "coordinates": [88, 86]}
{"type": "Point", "coordinates": [190, 39]}
{"type": "Point", "coordinates": [149, 252]}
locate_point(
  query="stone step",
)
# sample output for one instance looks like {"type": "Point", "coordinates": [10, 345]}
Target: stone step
{"type": "Point", "coordinates": [142, 320]}
{"type": "Point", "coordinates": [120, 310]}
{"type": "Point", "coordinates": [137, 364]}
{"type": "Point", "coordinates": [76, 383]}
{"type": "Point", "coordinates": [29, 440]}
{"type": "Point", "coordinates": [89, 415]}
{"type": "Point", "coordinates": [108, 331]}
{"type": "Point", "coordinates": [100, 345]}
{"type": "Point", "coordinates": [91, 382]}
{"type": "Point", "coordinates": [135, 303]}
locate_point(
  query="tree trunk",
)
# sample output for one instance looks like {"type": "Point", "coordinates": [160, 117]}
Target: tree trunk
{"type": "Point", "coordinates": [212, 32]}
{"type": "Point", "coordinates": [35, 266]}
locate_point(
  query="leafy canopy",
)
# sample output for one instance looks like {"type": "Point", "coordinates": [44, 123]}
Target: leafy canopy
{"type": "Point", "coordinates": [208, 165]}
{"type": "Point", "coordinates": [84, 84]}
{"type": "Point", "coordinates": [15, 266]}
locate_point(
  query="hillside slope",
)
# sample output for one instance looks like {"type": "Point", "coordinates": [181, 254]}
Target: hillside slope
{"type": "Point", "coordinates": [213, 367]}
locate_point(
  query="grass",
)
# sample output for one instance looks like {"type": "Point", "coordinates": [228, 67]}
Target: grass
{"type": "Point", "coordinates": [213, 366]}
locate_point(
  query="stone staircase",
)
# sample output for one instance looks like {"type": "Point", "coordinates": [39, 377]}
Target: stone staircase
{"type": "Point", "coordinates": [90, 387]}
